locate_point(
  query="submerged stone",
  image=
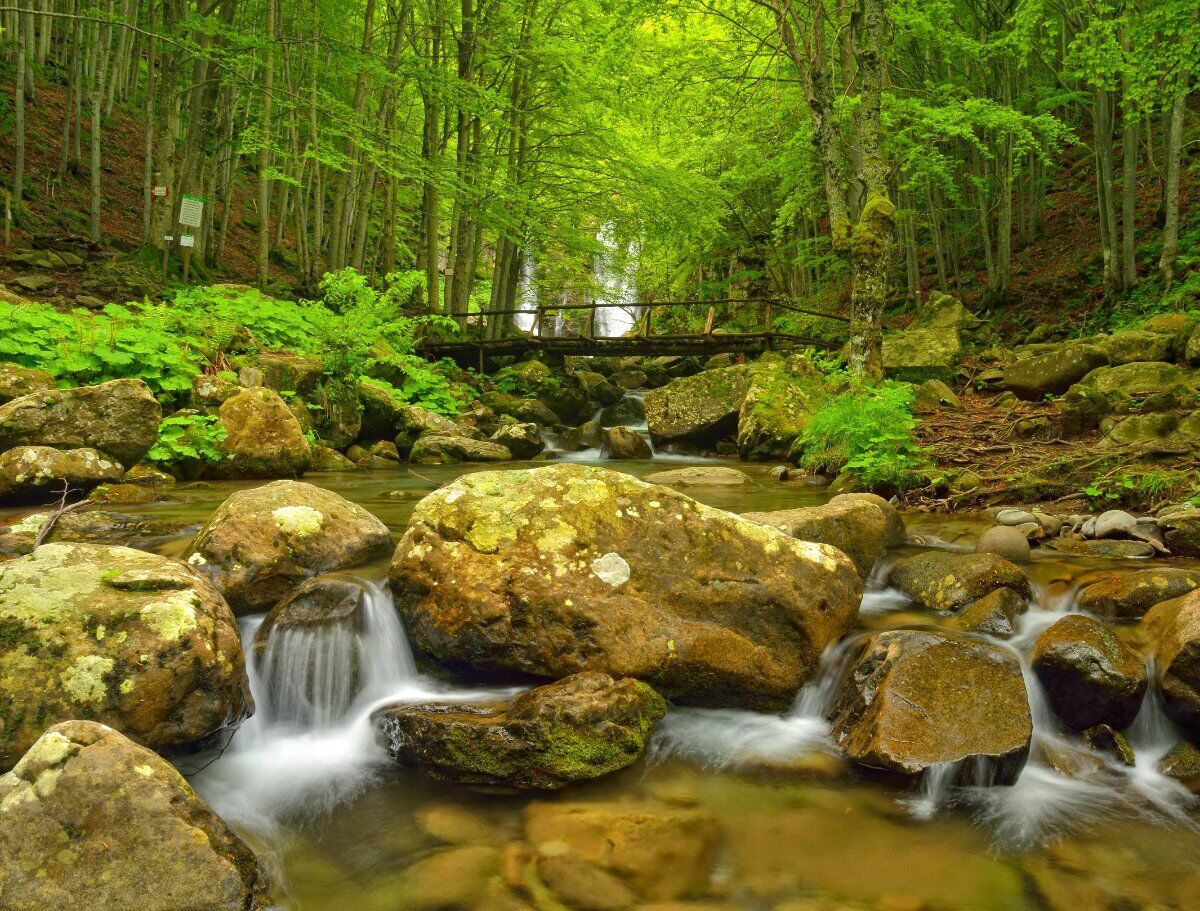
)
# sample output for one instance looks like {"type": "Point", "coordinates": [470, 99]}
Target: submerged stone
{"type": "Point", "coordinates": [581, 727]}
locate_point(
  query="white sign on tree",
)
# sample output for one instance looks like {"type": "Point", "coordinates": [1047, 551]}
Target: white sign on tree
{"type": "Point", "coordinates": [191, 209]}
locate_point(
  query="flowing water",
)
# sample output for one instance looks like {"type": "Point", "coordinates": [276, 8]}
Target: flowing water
{"type": "Point", "coordinates": [342, 828]}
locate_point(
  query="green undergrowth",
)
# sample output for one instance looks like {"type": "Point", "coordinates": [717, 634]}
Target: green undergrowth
{"type": "Point", "coordinates": [354, 328]}
{"type": "Point", "coordinates": [866, 433]}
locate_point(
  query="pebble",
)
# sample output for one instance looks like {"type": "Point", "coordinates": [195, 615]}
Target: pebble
{"type": "Point", "coordinates": [1006, 541]}
{"type": "Point", "coordinates": [1111, 524]}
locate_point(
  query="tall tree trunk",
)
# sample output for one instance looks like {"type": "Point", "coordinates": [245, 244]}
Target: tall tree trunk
{"type": "Point", "coordinates": [104, 46]}
{"type": "Point", "coordinates": [1174, 151]}
{"type": "Point", "coordinates": [264, 151]}
{"type": "Point", "coordinates": [19, 118]}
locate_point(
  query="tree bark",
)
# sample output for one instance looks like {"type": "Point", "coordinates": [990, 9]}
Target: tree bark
{"type": "Point", "coordinates": [1174, 151]}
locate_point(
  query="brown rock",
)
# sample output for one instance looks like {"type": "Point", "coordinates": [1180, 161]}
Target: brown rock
{"type": "Point", "coordinates": [263, 439]}
{"type": "Point", "coordinates": [623, 443]}
{"type": "Point", "coordinates": [995, 614]}
{"type": "Point", "coordinates": [1129, 595]}
{"type": "Point", "coordinates": [1089, 675]}
{"type": "Point", "coordinates": [38, 473]}
{"type": "Point", "coordinates": [946, 581]}
{"type": "Point", "coordinates": [1173, 630]}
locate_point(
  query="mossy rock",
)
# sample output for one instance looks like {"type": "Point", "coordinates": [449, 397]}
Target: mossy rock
{"type": "Point", "coordinates": [16, 381]}
{"type": "Point", "coordinates": [915, 355]}
{"type": "Point", "coordinates": [778, 405]}
{"type": "Point", "coordinates": [38, 473]}
{"type": "Point", "coordinates": [262, 438]}
{"type": "Point", "coordinates": [703, 407]}
{"type": "Point", "coordinates": [579, 728]}
{"type": "Point", "coordinates": [946, 581]}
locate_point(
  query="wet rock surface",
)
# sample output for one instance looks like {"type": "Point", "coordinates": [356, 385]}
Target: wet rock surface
{"type": "Point", "coordinates": [89, 819]}
{"type": "Point", "coordinates": [570, 568]}
{"type": "Point", "coordinates": [948, 581]}
{"type": "Point", "coordinates": [914, 699]}
{"type": "Point", "coordinates": [1089, 675]}
{"type": "Point", "coordinates": [704, 406]}
{"type": "Point", "coordinates": [439, 449]}
{"type": "Point", "coordinates": [1172, 629]}
{"type": "Point", "coordinates": [581, 727]}
{"type": "Point", "coordinates": [262, 543]}
{"type": "Point", "coordinates": [138, 641]}
{"type": "Point", "coordinates": [1129, 595]}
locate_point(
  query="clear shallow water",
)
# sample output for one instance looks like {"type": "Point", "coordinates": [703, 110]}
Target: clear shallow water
{"type": "Point", "coordinates": [795, 830]}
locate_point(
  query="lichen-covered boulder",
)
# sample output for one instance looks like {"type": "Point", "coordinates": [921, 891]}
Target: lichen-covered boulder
{"type": "Point", "coordinates": [911, 699]}
{"type": "Point", "coordinates": [995, 614]}
{"type": "Point", "coordinates": [1141, 386]}
{"type": "Point", "coordinates": [414, 422]}
{"type": "Point", "coordinates": [560, 391]}
{"type": "Point", "coordinates": [89, 819]}
{"type": "Point", "coordinates": [599, 389]}
{"type": "Point", "coordinates": [624, 412]}
{"type": "Point", "coordinates": [570, 568]}
{"type": "Point", "coordinates": [337, 413]}
{"type": "Point", "coordinates": [16, 381]}
{"type": "Point", "coordinates": [285, 371]}
{"type": "Point", "coordinates": [446, 449]}
{"type": "Point", "coordinates": [322, 458]}
{"type": "Point", "coordinates": [699, 476]}
{"type": "Point", "coordinates": [858, 528]}
{"type": "Point", "coordinates": [522, 409]}
{"type": "Point", "coordinates": [135, 640]}
{"type": "Point", "coordinates": [1089, 675]}
{"type": "Point", "coordinates": [703, 407]}
{"type": "Point", "coordinates": [1052, 373]}
{"type": "Point", "coordinates": [120, 418]}
{"type": "Point", "coordinates": [1172, 630]}
{"type": "Point", "coordinates": [946, 581]}
{"type": "Point", "coordinates": [920, 354]}
{"type": "Point", "coordinates": [943, 311]}
{"type": "Point", "coordinates": [578, 728]}
{"type": "Point", "coordinates": [1135, 345]}
{"type": "Point", "coordinates": [262, 438]}
{"type": "Point", "coordinates": [623, 443]}
{"type": "Point", "coordinates": [31, 473]}
{"type": "Point", "coordinates": [524, 441]}
{"type": "Point", "coordinates": [262, 543]}
{"type": "Point", "coordinates": [777, 406]}
{"type": "Point", "coordinates": [1129, 595]}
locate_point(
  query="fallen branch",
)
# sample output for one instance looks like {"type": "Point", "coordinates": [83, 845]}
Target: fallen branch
{"type": "Point", "coordinates": [63, 509]}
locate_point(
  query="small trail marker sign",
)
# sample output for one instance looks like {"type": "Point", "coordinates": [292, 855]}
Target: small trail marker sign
{"type": "Point", "coordinates": [187, 240]}
{"type": "Point", "coordinates": [191, 209]}
{"type": "Point", "coordinates": [160, 191]}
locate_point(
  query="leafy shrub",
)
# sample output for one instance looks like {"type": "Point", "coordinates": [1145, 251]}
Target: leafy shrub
{"type": "Point", "coordinates": [187, 436]}
{"type": "Point", "coordinates": [867, 431]}
{"type": "Point", "coordinates": [424, 384]}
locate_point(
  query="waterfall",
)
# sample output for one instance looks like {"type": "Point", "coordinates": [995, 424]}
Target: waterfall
{"type": "Point", "coordinates": [615, 272]}
{"type": "Point", "coordinates": [527, 293]}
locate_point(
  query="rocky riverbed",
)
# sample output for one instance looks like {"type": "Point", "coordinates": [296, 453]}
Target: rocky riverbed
{"type": "Point", "coordinates": [989, 729]}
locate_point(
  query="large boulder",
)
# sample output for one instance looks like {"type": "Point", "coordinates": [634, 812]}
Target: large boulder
{"type": "Point", "coordinates": [703, 407]}
{"type": "Point", "coordinates": [337, 413]}
{"type": "Point", "coordinates": [1181, 530]}
{"type": "Point", "coordinates": [262, 543]}
{"type": "Point", "coordinates": [861, 529]}
{"type": "Point", "coordinates": [39, 472]}
{"type": "Point", "coordinates": [262, 438]}
{"type": "Point", "coordinates": [89, 819]}
{"type": "Point", "coordinates": [777, 406]}
{"type": "Point", "coordinates": [523, 441]}
{"type": "Point", "coordinates": [444, 449]}
{"type": "Point", "coordinates": [285, 371]}
{"type": "Point", "coordinates": [1172, 629]}
{"type": "Point", "coordinates": [941, 311]}
{"type": "Point", "coordinates": [946, 581]}
{"type": "Point", "coordinates": [1142, 386]}
{"type": "Point", "coordinates": [623, 413]}
{"type": "Point", "coordinates": [1052, 373]}
{"type": "Point", "coordinates": [119, 418]}
{"type": "Point", "coordinates": [623, 443]}
{"type": "Point", "coordinates": [17, 381]}
{"type": "Point", "coordinates": [1089, 675]}
{"type": "Point", "coordinates": [599, 389]}
{"type": "Point", "coordinates": [578, 728]}
{"type": "Point", "coordinates": [1136, 345]}
{"type": "Point", "coordinates": [914, 699]}
{"type": "Point", "coordinates": [921, 354]}
{"type": "Point", "coordinates": [569, 568]}
{"type": "Point", "coordinates": [414, 422]}
{"type": "Point", "coordinates": [138, 641]}
{"type": "Point", "coordinates": [380, 412]}
{"type": "Point", "coordinates": [1129, 595]}
{"type": "Point", "coordinates": [522, 409]}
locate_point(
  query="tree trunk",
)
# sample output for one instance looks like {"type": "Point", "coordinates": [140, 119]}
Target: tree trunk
{"type": "Point", "coordinates": [264, 151]}
{"type": "Point", "coordinates": [1174, 151]}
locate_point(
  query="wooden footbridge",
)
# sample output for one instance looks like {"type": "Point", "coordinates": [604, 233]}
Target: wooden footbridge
{"type": "Point", "coordinates": [641, 340]}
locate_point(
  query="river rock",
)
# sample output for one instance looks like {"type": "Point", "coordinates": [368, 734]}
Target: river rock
{"type": "Point", "coordinates": [914, 355]}
{"type": "Point", "coordinates": [17, 381]}
{"type": "Point", "coordinates": [522, 409]}
{"type": "Point", "coordinates": [946, 581]}
{"type": "Point", "coordinates": [703, 407]}
{"type": "Point", "coordinates": [325, 601]}
{"type": "Point", "coordinates": [414, 422]}
{"type": "Point", "coordinates": [263, 439]}
{"type": "Point", "coordinates": [39, 472]}
{"type": "Point", "coordinates": [524, 441]}
{"type": "Point", "coordinates": [623, 443]}
{"type": "Point", "coordinates": [995, 614]}
{"type": "Point", "coordinates": [1181, 530]}
{"type": "Point", "coordinates": [135, 640]}
{"type": "Point", "coordinates": [626, 412]}
{"type": "Point", "coordinates": [1052, 373]}
{"type": "Point", "coordinates": [285, 371]}
{"type": "Point", "coordinates": [1114, 523]}
{"type": "Point", "coordinates": [1136, 345]}
{"type": "Point", "coordinates": [322, 458]}
{"type": "Point", "coordinates": [437, 449]}
{"type": "Point", "coordinates": [1015, 517]}
{"type": "Point", "coordinates": [562, 391]}
{"type": "Point", "coordinates": [89, 819]}
{"type": "Point", "coordinates": [1172, 630]}
{"type": "Point", "coordinates": [699, 476]}
{"type": "Point", "coordinates": [380, 412]}
{"type": "Point", "coordinates": [262, 543]}
{"type": "Point", "coordinates": [1129, 595]}
{"type": "Point", "coordinates": [581, 727]}
{"type": "Point", "coordinates": [599, 388]}
{"type": "Point", "coordinates": [1076, 544]}
{"type": "Point", "coordinates": [777, 406]}
{"type": "Point", "coordinates": [663, 853]}
{"type": "Point", "coordinates": [92, 527]}
{"type": "Point", "coordinates": [119, 418]}
{"type": "Point", "coordinates": [859, 529]}
{"type": "Point", "coordinates": [1005, 541]}
{"type": "Point", "coordinates": [1089, 675]}
{"type": "Point", "coordinates": [630, 378]}
{"type": "Point", "coordinates": [912, 699]}
{"type": "Point", "coordinates": [569, 568]}
{"type": "Point", "coordinates": [1182, 762]}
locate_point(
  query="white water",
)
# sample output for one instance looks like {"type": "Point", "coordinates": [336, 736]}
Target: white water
{"type": "Point", "coordinates": [310, 744]}
{"type": "Point", "coordinates": [615, 271]}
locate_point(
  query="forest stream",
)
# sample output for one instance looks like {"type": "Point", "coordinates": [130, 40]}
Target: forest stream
{"type": "Point", "coordinates": [729, 808]}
